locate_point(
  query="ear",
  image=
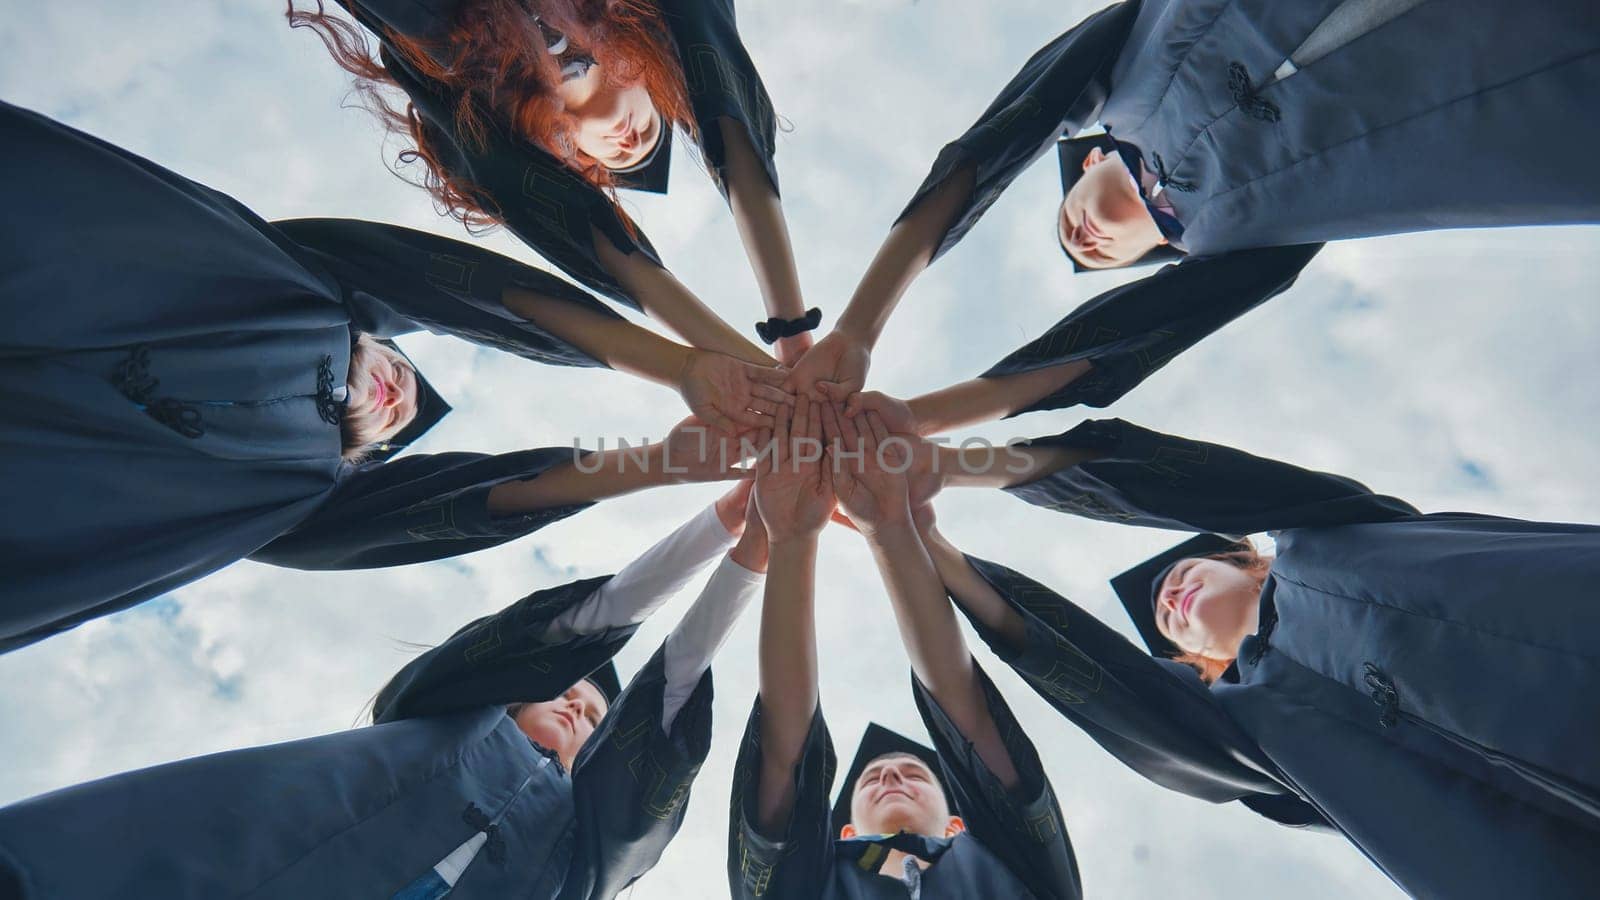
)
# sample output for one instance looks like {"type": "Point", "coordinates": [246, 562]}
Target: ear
{"type": "Point", "coordinates": [1094, 157]}
{"type": "Point", "coordinates": [848, 831]}
{"type": "Point", "coordinates": [954, 827]}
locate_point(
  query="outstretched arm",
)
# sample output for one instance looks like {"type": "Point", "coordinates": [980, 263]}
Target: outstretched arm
{"type": "Point", "coordinates": [719, 389]}
{"type": "Point", "coordinates": [875, 498]}
{"type": "Point", "coordinates": [758, 213]}
{"type": "Point", "coordinates": [842, 357]}
{"type": "Point", "coordinates": [664, 298]}
{"type": "Point", "coordinates": [795, 497]}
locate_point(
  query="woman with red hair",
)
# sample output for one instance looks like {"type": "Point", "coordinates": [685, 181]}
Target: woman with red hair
{"type": "Point", "coordinates": [533, 113]}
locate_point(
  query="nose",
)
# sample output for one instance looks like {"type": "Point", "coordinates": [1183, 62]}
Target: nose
{"type": "Point", "coordinates": [391, 394]}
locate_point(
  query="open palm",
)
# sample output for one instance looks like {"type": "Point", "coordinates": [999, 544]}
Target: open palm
{"type": "Point", "coordinates": [869, 469]}
{"type": "Point", "coordinates": [731, 395]}
{"type": "Point", "coordinates": [794, 491]}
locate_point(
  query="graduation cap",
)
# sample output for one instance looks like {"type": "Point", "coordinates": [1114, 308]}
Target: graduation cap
{"type": "Point", "coordinates": [650, 174]}
{"type": "Point", "coordinates": [607, 681]}
{"type": "Point", "coordinates": [430, 409]}
{"type": "Point", "coordinates": [1137, 588]}
{"type": "Point", "coordinates": [875, 742]}
{"type": "Point", "coordinates": [1071, 152]}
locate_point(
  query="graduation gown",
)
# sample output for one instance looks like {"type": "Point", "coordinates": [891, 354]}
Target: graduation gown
{"type": "Point", "coordinates": [1448, 115]}
{"type": "Point", "coordinates": [1015, 844]}
{"type": "Point", "coordinates": [170, 373]}
{"type": "Point", "coordinates": [544, 203]}
{"type": "Point", "coordinates": [365, 812]}
{"type": "Point", "coordinates": [1387, 693]}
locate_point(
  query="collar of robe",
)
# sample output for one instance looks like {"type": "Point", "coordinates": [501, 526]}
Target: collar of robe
{"type": "Point", "coordinates": [868, 851]}
{"type": "Point", "coordinates": [650, 174]}
{"type": "Point", "coordinates": [1071, 152]}
{"type": "Point", "coordinates": [431, 408]}
{"type": "Point", "coordinates": [875, 742]}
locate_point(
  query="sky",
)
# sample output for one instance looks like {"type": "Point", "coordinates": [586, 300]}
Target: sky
{"type": "Point", "coordinates": [1455, 370]}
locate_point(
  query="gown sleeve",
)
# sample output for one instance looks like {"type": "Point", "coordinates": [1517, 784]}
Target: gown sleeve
{"type": "Point", "coordinates": [416, 508]}
{"type": "Point", "coordinates": [545, 204]}
{"type": "Point", "coordinates": [1136, 328]}
{"type": "Point", "coordinates": [723, 83]}
{"type": "Point", "coordinates": [396, 280]}
{"type": "Point", "coordinates": [1022, 827]}
{"type": "Point", "coordinates": [501, 659]}
{"type": "Point", "coordinates": [1059, 90]}
{"type": "Point", "coordinates": [631, 782]}
{"type": "Point", "coordinates": [1144, 477]}
{"type": "Point", "coordinates": [797, 863]}
{"type": "Point", "coordinates": [1153, 715]}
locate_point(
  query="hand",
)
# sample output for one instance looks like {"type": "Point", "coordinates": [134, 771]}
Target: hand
{"type": "Point", "coordinates": [789, 350]}
{"type": "Point", "coordinates": [731, 507]}
{"type": "Point", "coordinates": [840, 358]}
{"type": "Point", "coordinates": [871, 483]}
{"type": "Point", "coordinates": [896, 413]}
{"type": "Point", "coordinates": [794, 491]}
{"type": "Point", "coordinates": [751, 551]}
{"type": "Point", "coordinates": [731, 395]}
{"type": "Point", "coordinates": [923, 518]}
{"type": "Point", "coordinates": [694, 451]}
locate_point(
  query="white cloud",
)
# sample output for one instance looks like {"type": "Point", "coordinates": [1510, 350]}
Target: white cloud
{"type": "Point", "coordinates": [1451, 369]}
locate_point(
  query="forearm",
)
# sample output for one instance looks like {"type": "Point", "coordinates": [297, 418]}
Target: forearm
{"type": "Point", "coordinates": [904, 254]}
{"type": "Point", "coordinates": [758, 214]}
{"type": "Point", "coordinates": [973, 593]}
{"type": "Point", "coordinates": [654, 577]}
{"type": "Point", "coordinates": [589, 477]}
{"type": "Point", "coordinates": [981, 400]}
{"type": "Point", "coordinates": [617, 342]}
{"type": "Point", "coordinates": [787, 649]}
{"type": "Point", "coordinates": [932, 637]}
{"type": "Point", "coordinates": [1008, 466]}
{"type": "Point", "coordinates": [665, 299]}
{"type": "Point", "coordinates": [701, 632]}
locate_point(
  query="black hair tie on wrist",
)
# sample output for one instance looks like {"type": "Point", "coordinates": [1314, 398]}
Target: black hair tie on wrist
{"type": "Point", "coordinates": [774, 329]}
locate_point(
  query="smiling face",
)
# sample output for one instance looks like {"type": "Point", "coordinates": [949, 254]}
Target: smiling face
{"type": "Point", "coordinates": [1208, 606]}
{"type": "Point", "coordinates": [618, 125]}
{"type": "Point", "coordinates": [897, 792]}
{"type": "Point", "coordinates": [1103, 221]}
{"type": "Point", "coordinates": [382, 388]}
{"type": "Point", "coordinates": [563, 724]}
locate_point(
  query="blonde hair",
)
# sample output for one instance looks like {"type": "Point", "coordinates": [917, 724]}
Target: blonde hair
{"type": "Point", "coordinates": [360, 430]}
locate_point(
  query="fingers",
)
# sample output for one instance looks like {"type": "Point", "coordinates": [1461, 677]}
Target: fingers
{"type": "Point", "coordinates": [771, 392]}
{"type": "Point", "coordinates": [764, 407]}
{"type": "Point", "coordinates": [869, 441]}
{"type": "Point", "coordinates": [848, 431]}
{"type": "Point", "coordinates": [714, 419]}
{"type": "Point", "coordinates": [860, 401]}
{"type": "Point", "coordinates": [780, 440]}
{"type": "Point", "coordinates": [775, 375]}
{"type": "Point", "coordinates": [814, 422]}
{"type": "Point", "coordinates": [799, 428]}
{"type": "Point", "coordinates": [879, 430]}
{"type": "Point", "coordinates": [830, 423]}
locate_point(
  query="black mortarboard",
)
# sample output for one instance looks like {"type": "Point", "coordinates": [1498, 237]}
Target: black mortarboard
{"type": "Point", "coordinates": [650, 174]}
{"type": "Point", "coordinates": [1071, 152]}
{"type": "Point", "coordinates": [606, 679]}
{"type": "Point", "coordinates": [1137, 587]}
{"type": "Point", "coordinates": [875, 742]}
{"type": "Point", "coordinates": [430, 409]}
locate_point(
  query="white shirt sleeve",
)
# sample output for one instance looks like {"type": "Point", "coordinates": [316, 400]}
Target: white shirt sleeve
{"type": "Point", "coordinates": [649, 581]}
{"type": "Point", "coordinates": [701, 632]}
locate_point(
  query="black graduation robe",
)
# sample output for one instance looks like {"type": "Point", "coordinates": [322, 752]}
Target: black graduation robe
{"type": "Point", "coordinates": [1015, 845]}
{"type": "Point", "coordinates": [544, 203]}
{"type": "Point", "coordinates": [365, 812]}
{"type": "Point", "coordinates": [1422, 684]}
{"type": "Point", "coordinates": [1450, 115]}
{"type": "Point", "coordinates": [167, 377]}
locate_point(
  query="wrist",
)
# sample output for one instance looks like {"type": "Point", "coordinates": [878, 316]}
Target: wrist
{"type": "Point", "coordinates": [790, 545]}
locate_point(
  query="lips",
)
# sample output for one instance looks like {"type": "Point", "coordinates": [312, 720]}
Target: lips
{"type": "Point", "coordinates": [380, 392]}
{"type": "Point", "coordinates": [1186, 602]}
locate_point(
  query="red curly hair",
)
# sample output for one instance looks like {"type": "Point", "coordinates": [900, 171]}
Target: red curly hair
{"type": "Point", "coordinates": [493, 62]}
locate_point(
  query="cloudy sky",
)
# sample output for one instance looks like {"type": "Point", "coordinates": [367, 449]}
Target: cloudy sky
{"type": "Point", "coordinates": [1455, 369]}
